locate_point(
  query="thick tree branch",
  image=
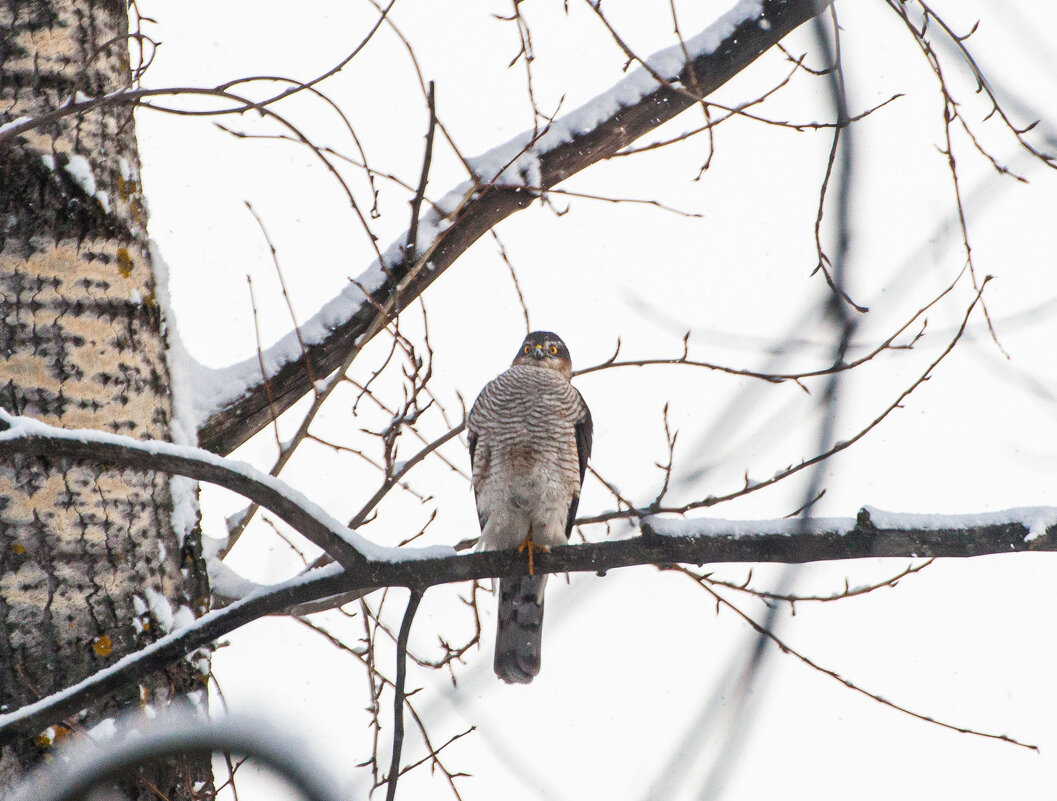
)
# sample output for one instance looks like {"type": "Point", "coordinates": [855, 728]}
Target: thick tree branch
{"type": "Point", "coordinates": [37, 716]}
{"type": "Point", "coordinates": [23, 435]}
{"type": "Point", "coordinates": [871, 534]}
{"type": "Point", "coordinates": [486, 205]}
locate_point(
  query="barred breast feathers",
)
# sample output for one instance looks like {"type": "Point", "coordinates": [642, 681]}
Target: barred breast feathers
{"type": "Point", "coordinates": [530, 410]}
{"type": "Point", "coordinates": [527, 394]}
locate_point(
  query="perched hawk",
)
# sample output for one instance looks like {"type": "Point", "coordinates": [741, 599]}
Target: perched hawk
{"type": "Point", "coordinates": [530, 437]}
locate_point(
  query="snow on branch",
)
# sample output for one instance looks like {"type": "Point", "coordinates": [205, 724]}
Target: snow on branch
{"type": "Point", "coordinates": [883, 533]}
{"type": "Point", "coordinates": [34, 717]}
{"type": "Point", "coordinates": [24, 435]}
{"type": "Point", "coordinates": [235, 402]}
{"type": "Point", "coordinates": [663, 542]}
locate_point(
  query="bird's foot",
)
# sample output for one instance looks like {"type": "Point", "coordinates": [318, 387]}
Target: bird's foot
{"type": "Point", "coordinates": [531, 546]}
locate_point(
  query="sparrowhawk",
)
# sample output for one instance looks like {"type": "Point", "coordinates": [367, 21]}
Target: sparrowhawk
{"type": "Point", "coordinates": [530, 438]}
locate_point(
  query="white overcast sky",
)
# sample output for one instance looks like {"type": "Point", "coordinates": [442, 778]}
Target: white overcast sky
{"type": "Point", "coordinates": [624, 705]}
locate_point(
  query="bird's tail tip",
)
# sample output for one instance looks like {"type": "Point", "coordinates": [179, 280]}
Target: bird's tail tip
{"type": "Point", "coordinates": [519, 633]}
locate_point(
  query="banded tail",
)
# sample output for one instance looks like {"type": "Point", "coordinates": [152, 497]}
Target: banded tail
{"type": "Point", "coordinates": [519, 635]}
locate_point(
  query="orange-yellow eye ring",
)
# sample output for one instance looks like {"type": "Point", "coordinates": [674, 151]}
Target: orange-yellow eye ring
{"type": "Point", "coordinates": [554, 350]}
{"type": "Point", "coordinates": [527, 348]}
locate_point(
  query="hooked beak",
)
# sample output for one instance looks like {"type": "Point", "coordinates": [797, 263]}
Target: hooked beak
{"type": "Point", "coordinates": [538, 352]}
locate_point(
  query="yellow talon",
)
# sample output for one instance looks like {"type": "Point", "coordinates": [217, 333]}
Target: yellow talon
{"type": "Point", "coordinates": [531, 546]}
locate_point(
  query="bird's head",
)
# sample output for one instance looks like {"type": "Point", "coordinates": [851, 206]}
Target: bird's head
{"type": "Point", "coordinates": [545, 349]}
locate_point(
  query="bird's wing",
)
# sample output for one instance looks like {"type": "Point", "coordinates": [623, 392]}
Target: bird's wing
{"type": "Point", "coordinates": [584, 429]}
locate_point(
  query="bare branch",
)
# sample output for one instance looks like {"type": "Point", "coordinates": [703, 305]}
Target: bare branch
{"type": "Point", "coordinates": [398, 692]}
{"type": "Point", "coordinates": [411, 253]}
{"type": "Point", "coordinates": [785, 648]}
{"type": "Point", "coordinates": [567, 150]}
{"type": "Point", "coordinates": [513, 278]}
{"type": "Point", "coordinates": [847, 592]}
{"type": "Point", "coordinates": [394, 477]}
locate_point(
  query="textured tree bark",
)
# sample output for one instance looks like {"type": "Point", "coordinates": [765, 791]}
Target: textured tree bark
{"type": "Point", "coordinates": [91, 563]}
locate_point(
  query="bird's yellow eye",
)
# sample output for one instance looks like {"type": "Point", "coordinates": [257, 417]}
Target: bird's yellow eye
{"type": "Point", "coordinates": [554, 350]}
{"type": "Point", "coordinates": [526, 349]}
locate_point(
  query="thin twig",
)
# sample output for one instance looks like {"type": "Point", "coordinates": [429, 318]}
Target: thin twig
{"type": "Point", "coordinates": [785, 648]}
{"type": "Point", "coordinates": [410, 253]}
{"type": "Point", "coordinates": [775, 378]}
{"type": "Point", "coordinates": [781, 475]}
{"type": "Point", "coordinates": [264, 372]}
{"type": "Point", "coordinates": [847, 592]}
{"type": "Point", "coordinates": [513, 278]}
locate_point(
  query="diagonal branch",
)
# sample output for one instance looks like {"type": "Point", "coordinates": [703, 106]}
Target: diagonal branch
{"type": "Point", "coordinates": [23, 435]}
{"type": "Point", "coordinates": [586, 136]}
{"type": "Point", "coordinates": [133, 667]}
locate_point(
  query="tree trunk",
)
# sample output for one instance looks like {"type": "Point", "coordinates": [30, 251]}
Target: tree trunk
{"type": "Point", "coordinates": [91, 562]}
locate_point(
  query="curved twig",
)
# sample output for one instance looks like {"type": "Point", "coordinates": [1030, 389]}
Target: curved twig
{"type": "Point", "coordinates": [398, 692]}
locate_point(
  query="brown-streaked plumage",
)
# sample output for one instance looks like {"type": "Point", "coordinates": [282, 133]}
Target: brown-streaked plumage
{"type": "Point", "coordinates": [530, 438]}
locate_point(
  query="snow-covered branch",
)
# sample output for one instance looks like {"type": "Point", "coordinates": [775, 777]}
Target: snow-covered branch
{"type": "Point", "coordinates": [235, 402]}
{"type": "Point", "coordinates": [24, 435]}
{"type": "Point", "coordinates": [34, 717]}
{"type": "Point", "coordinates": [663, 541]}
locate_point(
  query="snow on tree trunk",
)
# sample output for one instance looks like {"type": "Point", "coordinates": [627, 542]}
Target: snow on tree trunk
{"type": "Point", "coordinates": [91, 566]}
